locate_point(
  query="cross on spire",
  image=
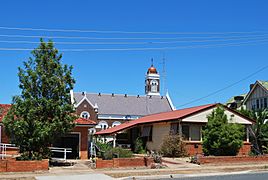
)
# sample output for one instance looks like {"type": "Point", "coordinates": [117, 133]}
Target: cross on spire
{"type": "Point", "coordinates": [152, 62]}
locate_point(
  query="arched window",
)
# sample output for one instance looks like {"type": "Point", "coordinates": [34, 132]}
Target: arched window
{"type": "Point", "coordinates": [116, 123]}
{"type": "Point", "coordinates": [103, 124]}
{"type": "Point", "coordinates": [92, 131]}
{"type": "Point", "coordinates": [154, 85]}
{"type": "Point", "coordinates": [85, 115]}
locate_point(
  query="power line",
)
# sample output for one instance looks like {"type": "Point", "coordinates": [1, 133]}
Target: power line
{"type": "Point", "coordinates": [226, 87]}
{"type": "Point", "coordinates": [129, 43]}
{"type": "Point", "coordinates": [123, 38]}
{"type": "Point", "coordinates": [122, 32]}
{"type": "Point", "coordinates": [144, 49]}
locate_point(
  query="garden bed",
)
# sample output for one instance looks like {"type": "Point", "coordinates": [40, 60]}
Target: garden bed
{"type": "Point", "coordinates": [12, 165]}
{"type": "Point", "coordinates": [124, 162]}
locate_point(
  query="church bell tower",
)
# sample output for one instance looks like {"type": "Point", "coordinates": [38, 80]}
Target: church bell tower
{"type": "Point", "coordinates": [152, 82]}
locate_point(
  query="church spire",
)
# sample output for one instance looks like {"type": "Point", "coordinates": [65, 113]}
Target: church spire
{"type": "Point", "coordinates": [152, 81]}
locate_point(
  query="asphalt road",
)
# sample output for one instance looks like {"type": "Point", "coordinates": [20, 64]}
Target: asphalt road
{"type": "Point", "coordinates": [247, 176]}
{"type": "Point", "coordinates": [93, 176]}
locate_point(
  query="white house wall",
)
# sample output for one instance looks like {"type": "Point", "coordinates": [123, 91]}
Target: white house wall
{"type": "Point", "coordinates": [202, 117]}
{"type": "Point", "coordinates": [160, 130]}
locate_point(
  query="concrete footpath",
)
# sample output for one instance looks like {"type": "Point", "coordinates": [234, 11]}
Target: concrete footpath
{"type": "Point", "coordinates": [175, 170]}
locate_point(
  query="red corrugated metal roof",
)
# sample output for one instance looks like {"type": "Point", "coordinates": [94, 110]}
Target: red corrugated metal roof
{"type": "Point", "coordinates": [82, 121]}
{"type": "Point", "coordinates": [3, 110]}
{"type": "Point", "coordinates": [166, 116]}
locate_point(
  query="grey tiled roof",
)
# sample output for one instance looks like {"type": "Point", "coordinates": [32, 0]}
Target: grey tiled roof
{"type": "Point", "coordinates": [130, 105]}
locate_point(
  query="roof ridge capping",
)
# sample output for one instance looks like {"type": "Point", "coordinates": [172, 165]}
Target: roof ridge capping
{"type": "Point", "coordinates": [115, 94]}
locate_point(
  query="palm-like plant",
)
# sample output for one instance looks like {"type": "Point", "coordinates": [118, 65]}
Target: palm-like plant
{"type": "Point", "coordinates": [258, 131]}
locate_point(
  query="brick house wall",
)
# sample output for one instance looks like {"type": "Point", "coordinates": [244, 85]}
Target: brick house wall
{"type": "Point", "coordinates": [83, 141]}
{"type": "Point", "coordinates": [85, 106]}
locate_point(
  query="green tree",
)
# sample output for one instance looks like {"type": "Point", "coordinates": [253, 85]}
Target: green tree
{"type": "Point", "coordinates": [43, 111]}
{"type": "Point", "coordinates": [259, 130]}
{"type": "Point", "coordinates": [221, 138]}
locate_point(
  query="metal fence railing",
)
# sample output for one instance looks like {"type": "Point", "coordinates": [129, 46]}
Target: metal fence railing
{"type": "Point", "coordinates": [3, 149]}
{"type": "Point", "coordinates": [60, 150]}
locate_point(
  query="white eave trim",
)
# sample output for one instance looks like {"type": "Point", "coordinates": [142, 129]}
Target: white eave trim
{"type": "Point", "coordinates": [72, 97]}
{"type": "Point", "coordinates": [170, 102]}
{"type": "Point", "coordinates": [113, 116]}
{"type": "Point", "coordinates": [84, 98]}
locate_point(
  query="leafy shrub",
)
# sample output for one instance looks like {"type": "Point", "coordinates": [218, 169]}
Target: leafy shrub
{"type": "Point", "coordinates": [221, 138]}
{"type": "Point", "coordinates": [138, 146]}
{"type": "Point", "coordinates": [102, 148]}
{"type": "Point", "coordinates": [173, 146]}
{"type": "Point", "coordinates": [117, 153]}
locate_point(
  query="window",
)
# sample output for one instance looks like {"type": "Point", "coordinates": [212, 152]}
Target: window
{"type": "Point", "coordinates": [262, 103]}
{"type": "Point", "coordinates": [195, 133]}
{"type": "Point", "coordinates": [154, 84]}
{"type": "Point", "coordinates": [147, 131]}
{"type": "Point", "coordinates": [253, 104]}
{"type": "Point", "coordinates": [185, 132]}
{"type": "Point", "coordinates": [92, 131]}
{"type": "Point", "coordinates": [116, 123]}
{"type": "Point", "coordinates": [258, 103]}
{"type": "Point", "coordinates": [174, 128]}
{"type": "Point", "coordinates": [265, 102]}
{"type": "Point", "coordinates": [85, 115]}
{"type": "Point", "coordinates": [103, 125]}
{"type": "Point", "coordinates": [191, 132]}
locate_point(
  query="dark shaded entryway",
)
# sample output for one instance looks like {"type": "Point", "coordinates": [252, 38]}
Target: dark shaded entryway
{"type": "Point", "coordinates": [68, 141]}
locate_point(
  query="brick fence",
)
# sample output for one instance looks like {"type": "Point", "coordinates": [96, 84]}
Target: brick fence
{"type": "Point", "coordinates": [230, 159]}
{"type": "Point", "coordinates": [11, 165]}
{"type": "Point", "coordinates": [194, 148]}
{"type": "Point", "coordinates": [124, 162]}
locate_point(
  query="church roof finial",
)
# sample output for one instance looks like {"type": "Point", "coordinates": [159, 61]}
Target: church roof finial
{"type": "Point", "coordinates": [152, 62]}
{"type": "Point", "coordinates": [152, 69]}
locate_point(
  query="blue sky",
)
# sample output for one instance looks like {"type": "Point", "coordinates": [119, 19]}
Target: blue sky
{"type": "Point", "coordinates": [191, 73]}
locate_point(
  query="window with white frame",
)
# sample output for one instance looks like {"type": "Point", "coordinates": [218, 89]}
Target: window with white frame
{"type": "Point", "coordinates": [191, 132]}
{"type": "Point", "coordinates": [154, 85]}
{"type": "Point", "coordinates": [85, 115]}
{"type": "Point", "coordinates": [92, 131]}
{"type": "Point", "coordinates": [195, 133]}
{"type": "Point", "coordinates": [116, 123]}
{"type": "Point", "coordinates": [103, 124]}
